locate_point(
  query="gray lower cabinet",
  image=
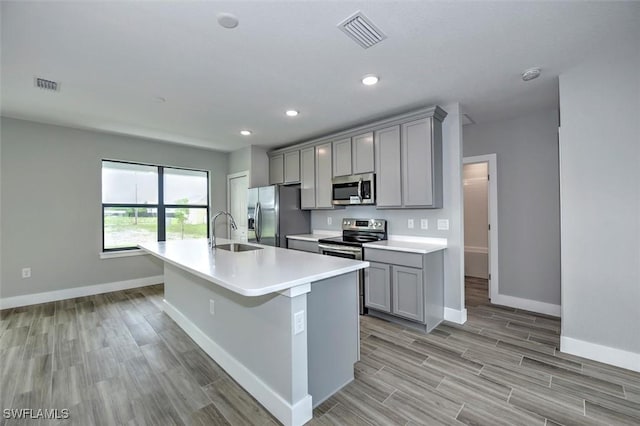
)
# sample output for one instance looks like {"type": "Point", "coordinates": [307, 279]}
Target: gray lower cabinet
{"type": "Point", "coordinates": [292, 167]}
{"type": "Point", "coordinates": [308, 178]}
{"type": "Point", "coordinates": [377, 287]}
{"type": "Point", "coordinates": [324, 195]}
{"type": "Point", "coordinates": [308, 246]}
{"type": "Point", "coordinates": [407, 292]}
{"type": "Point", "coordinates": [407, 288]}
{"type": "Point", "coordinates": [276, 169]}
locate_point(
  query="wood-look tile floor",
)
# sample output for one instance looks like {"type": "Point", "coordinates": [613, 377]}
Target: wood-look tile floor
{"type": "Point", "coordinates": [116, 359]}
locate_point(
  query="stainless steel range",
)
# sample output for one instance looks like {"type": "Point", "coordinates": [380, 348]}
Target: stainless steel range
{"type": "Point", "coordinates": [355, 232]}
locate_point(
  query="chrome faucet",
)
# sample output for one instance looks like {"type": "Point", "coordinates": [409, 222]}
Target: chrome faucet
{"type": "Point", "coordinates": [213, 226]}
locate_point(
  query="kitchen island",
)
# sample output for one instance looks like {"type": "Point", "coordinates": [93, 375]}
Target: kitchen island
{"type": "Point", "coordinates": [283, 323]}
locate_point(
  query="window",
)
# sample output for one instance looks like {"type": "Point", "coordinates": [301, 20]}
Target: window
{"type": "Point", "coordinates": [142, 203]}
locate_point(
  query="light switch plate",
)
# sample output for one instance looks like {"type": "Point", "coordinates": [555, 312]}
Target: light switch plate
{"type": "Point", "coordinates": [329, 220]}
{"type": "Point", "coordinates": [212, 307]}
{"type": "Point", "coordinates": [410, 223]}
{"type": "Point", "coordinates": [424, 224]}
{"type": "Point", "coordinates": [443, 224]}
{"type": "Point", "coordinates": [298, 322]}
{"type": "Point", "coordinates": [26, 272]}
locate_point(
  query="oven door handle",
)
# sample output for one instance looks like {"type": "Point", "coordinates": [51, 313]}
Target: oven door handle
{"type": "Point", "coordinates": [339, 250]}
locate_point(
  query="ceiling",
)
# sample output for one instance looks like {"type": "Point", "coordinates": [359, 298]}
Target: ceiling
{"type": "Point", "coordinates": [113, 59]}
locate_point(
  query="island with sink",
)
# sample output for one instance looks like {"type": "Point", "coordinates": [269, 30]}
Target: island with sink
{"type": "Point", "coordinates": [283, 323]}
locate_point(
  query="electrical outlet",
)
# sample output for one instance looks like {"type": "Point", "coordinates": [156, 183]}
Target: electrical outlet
{"type": "Point", "coordinates": [443, 224]}
{"type": "Point", "coordinates": [212, 306]}
{"type": "Point", "coordinates": [329, 220]}
{"type": "Point", "coordinates": [424, 224]}
{"type": "Point", "coordinates": [298, 322]}
{"type": "Point", "coordinates": [26, 272]}
{"type": "Point", "coordinates": [410, 223]}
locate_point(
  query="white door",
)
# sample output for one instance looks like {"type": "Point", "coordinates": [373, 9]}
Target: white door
{"type": "Point", "coordinates": [237, 186]}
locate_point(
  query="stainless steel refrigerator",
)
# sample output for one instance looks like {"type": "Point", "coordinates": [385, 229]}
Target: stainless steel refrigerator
{"type": "Point", "coordinates": [273, 213]}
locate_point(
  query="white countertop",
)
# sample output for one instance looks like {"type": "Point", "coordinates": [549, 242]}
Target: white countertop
{"type": "Point", "coordinates": [251, 273]}
{"type": "Point", "coordinates": [315, 236]}
{"type": "Point", "coordinates": [409, 244]}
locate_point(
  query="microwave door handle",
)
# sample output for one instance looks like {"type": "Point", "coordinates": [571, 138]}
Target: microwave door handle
{"type": "Point", "coordinates": [360, 189]}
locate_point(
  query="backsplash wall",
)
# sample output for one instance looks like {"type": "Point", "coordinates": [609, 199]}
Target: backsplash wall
{"type": "Point", "coordinates": [396, 219]}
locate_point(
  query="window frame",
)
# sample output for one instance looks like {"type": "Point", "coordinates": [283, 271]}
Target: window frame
{"type": "Point", "coordinates": [161, 207]}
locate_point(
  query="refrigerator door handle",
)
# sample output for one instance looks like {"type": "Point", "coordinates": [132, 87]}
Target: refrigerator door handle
{"type": "Point", "coordinates": [258, 220]}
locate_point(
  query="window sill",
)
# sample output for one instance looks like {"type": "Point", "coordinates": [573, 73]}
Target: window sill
{"type": "Point", "coordinates": [122, 253]}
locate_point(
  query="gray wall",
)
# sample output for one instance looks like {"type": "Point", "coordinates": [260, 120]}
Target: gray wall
{"type": "Point", "coordinates": [50, 178]}
{"type": "Point", "coordinates": [240, 160]}
{"type": "Point", "coordinates": [600, 187]}
{"type": "Point", "coordinates": [528, 201]}
{"type": "Point", "coordinates": [255, 160]}
{"type": "Point", "coordinates": [452, 210]}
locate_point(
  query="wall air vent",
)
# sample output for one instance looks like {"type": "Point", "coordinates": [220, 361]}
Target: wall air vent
{"type": "Point", "coordinates": [41, 83]}
{"type": "Point", "coordinates": [361, 30]}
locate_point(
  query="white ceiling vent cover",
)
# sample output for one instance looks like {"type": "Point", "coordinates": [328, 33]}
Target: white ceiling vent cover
{"type": "Point", "coordinates": [41, 83]}
{"type": "Point", "coordinates": [361, 30]}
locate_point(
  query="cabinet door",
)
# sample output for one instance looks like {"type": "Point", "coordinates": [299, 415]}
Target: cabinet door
{"type": "Point", "coordinates": [276, 169]}
{"type": "Point", "coordinates": [342, 157]}
{"type": "Point", "coordinates": [377, 287]}
{"type": "Point", "coordinates": [408, 292]}
{"type": "Point", "coordinates": [292, 167]}
{"type": "Point", "coordinates": [324, 191]}
{"type": "Point", "coordinates": [308, 178]}
{"type": "Point", "coordinates": [362, 153]}
{"type": "Point", "coordinates": [417, 163]}
{"type": "Point", "coordinates": [388, 176]}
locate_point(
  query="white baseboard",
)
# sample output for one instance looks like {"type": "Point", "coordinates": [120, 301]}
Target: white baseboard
{"type": "Point", "coordinates": [70, 293]}
{"type": "Point", "coordinates": [600, 353]}
{"type": "Point", "coordinates": [296, 414]}
{"type": "Point", "coordinates": [454, 315]}
{"type": "Point", "coordinates": [526, 304]}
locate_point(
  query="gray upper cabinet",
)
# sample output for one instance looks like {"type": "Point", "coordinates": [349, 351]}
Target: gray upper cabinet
{"type": "Point", "coordinates": [324, 196]}
{"type": "Point", "coordinates": [388, 172]}
{"type": "Point", "coordinates": [308, 178]}
{"type": "Point", "coordinates": [276, 169]}
{"type": "Point", "coordinates": [342, 157]}
{"type": "Point", "coordinates": [292, 167]}
{"type": "Point", "coordinates": [362, 153]}
{"type": "Point", "coordinates": [421, 185]}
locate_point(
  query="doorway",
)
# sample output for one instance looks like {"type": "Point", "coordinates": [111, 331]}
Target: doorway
{"type": "Point", "coordinates": [237, 186]}
{"type": "Point", "coordinates": [480, 228]}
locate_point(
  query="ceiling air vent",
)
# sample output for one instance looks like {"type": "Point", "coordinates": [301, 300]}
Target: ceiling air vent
{"type": "Point", "coordinates": [41, 83]}
{"type": "Point", "coordinates": [361, 30]}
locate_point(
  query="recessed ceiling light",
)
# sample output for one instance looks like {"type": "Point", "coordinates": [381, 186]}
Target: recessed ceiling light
{"type": "Point", "coordinates": [291, 112]}
{"type": "Point", "coordinates": [245, 132]}
{"type": "Point", "coordinates": [227, 20]}
{"type": "Point", "coordinates": [531, 73]}
{"type": "Point", "coordinates": [370, 79]}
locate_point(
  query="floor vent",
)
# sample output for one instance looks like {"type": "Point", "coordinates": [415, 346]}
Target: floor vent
{"type": "Point", "coordinates": [41, 83]}
{"type": "Point", "coordinates": [361, 30]}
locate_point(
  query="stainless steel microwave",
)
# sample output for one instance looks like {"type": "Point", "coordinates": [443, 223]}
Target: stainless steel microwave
{"type": "Point", "coordinates": [354, 189]}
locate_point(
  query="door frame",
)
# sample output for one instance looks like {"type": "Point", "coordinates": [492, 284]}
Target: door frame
{"type": "Point", "coordinates": [491, 159]}
{"type": "Point", "coordinates": [229, 178]}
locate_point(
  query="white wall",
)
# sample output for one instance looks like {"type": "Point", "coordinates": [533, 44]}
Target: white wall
{"type": "Point", "coordinates": [476, 219]}
{"type": "Point", "coordinates": [452, 210]}
{"type": "Point", "coordinates": [600, 188]}
{"type": "Point", "coordinates": [51, 203]}
{"type": "Point", "coordinates": [528, 202]}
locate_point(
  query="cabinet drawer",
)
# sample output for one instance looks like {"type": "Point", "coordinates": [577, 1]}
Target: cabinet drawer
{"type": "Point", "coordinates": [309, 246]}
{"type": "Point", "coordinates": [413, 260]}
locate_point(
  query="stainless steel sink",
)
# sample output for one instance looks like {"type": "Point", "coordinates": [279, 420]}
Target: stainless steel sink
{"type": "Point", "coordinates": [237, 247]}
